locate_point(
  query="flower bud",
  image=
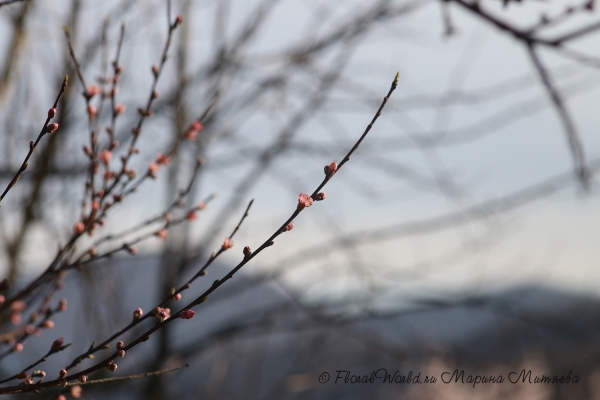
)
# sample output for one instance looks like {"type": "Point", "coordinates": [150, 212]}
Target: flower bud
{"type": "Point", "coordinates": [76, 391]}
{"type": "Point", "coordinates": [227, 243]}
{"type": "Point", "coordinates": [79, 228]}
{"type": "Point", "coordinates": [83, 378]}
{"type": "Point", "coordinates": [93, 90]}
{"type": "Point", "coordinates": [111, 366]}
{"type": "Point", "coordinates": [51, 128]}
{"type": "Point", "coordinates": [331, 168]}
{"type": "Point", "coordinates": [321, 196]}
{"type": "Point", "coordinates": [39, 374]}
{"type": "Point", "coordinates": [247, 251]}
{"type": "Point", "coordinates": [92, 111]}
{"type": "Point", "coordinates": [120, 109]}
{"type": "Point", "coordinates": [121, 353]}
{"type": "Point", "coordinates": [52, 112]}
{"type": "Point", "coordinates": [23, 375]}
{"type": "Point", "coordinates": [57, 344]}
{"type": "Point", "coordinates": [137, 314]}
{"type": "Point", "coordinates": [62, 305]}
{"type": "Point", "coordinates": [304, 200]}
{"type": "Point", "coordinates": [62, 374]}
{"type": "Point", "coordinates": [187, 314]}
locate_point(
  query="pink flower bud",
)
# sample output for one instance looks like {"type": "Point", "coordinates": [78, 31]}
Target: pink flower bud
{"type": "Point", "coordinates": [79, 228]}
{"type": "Point", "coordinates": [155, 70]}
{"type": "Point", "coordinates": [130, 249]}
{"type": "Point", "coordinates": [105, 156]}
{"type": "Point", "coordinates": [304, 200]}
{"type": "Point", "coordinates": [191, 135]}
{"type": "Point", "coordinates": [76, 391]}
{"type": "Point", "coordinates": [18, 348]}
{"type": "Point", "coordinates": [62, 305]}
{"type": "Point", "coordinates": [120, 109]}
{"type": "Point", "coordinates": [179, 20]}
{"type": "Point", "coordinates": [83, 378]}
{"type": "Point", "coordinates": [162, 313]}
{"type": "Point", "coordinates": [153, 169]}
{"type": "Point", "coordinates": [161, 159]}
{"type": "Point", "coordinates": [321, 196]}
{"type": "Point", "coordinates": [162, 234]}
{"type": "Point", "coordinates": [87, 150]}
{"type": "Point", "coordinates": [227, 243]}
{"type": "Point", "coordinates": [247, 251]}
{"type": "Point", "coordinates": [28, 381]}
{"type": "Point", "coordinates": [15, 318]}
{"type": "Point", "coordinates": [61, 397]}
{"type": "Point", "coordinates": [2, 299]}
{"type": "Point", "coordinates": [121, 353]}
{"type": "Point", "coordinates": [197, 126]}
{"type": "Point", "coordinates": [331, 168]}
{"type": "Point", "coordinates": [289, 227]}
{"type": "Point", "coordinates": [111, 366]}
{"type": "Point", "coordinates": [51, 128]}
{"type": "Point", "coordinates": [52, 112]}
{"type": "Point", "coordinates": [57, 344]}
{"type": "Point", "coordinates": [192, 215]}
{"type": "Point", "coordinates": [93, 90]}
{"type": "Point", "coordinates": [92, 111]}
{"type": "Point", "coordinates": [23, 375]}
{"type": "Point", "coordinates": [18, 305]}
{"type": "Point", "coordinates": [177, 296]}
{"type": "Point", "coordinates": [62, 374]}
{"type": "Point", "coordinates": [137, 314]}
{"type": "Point", "coordinates": [155, 94]}
{"type": "Point", "coordinates": [187, 314]}
{"type": "Point", "coordinates": [48, 324]}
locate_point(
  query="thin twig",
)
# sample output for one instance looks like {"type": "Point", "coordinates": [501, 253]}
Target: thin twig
{"type": "Point", "coordinates": [129, 377]}
{"type": "Point", "coordinates": [569, 126]}
{"type": "Point", "coordinates": [33, 145]}
{"type": "Point", "coordinates": [7, 2]}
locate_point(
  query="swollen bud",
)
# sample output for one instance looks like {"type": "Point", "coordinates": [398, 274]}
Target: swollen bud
{"type": "Point", "coordinates": [52, 112]}
{"type": "Point", "coordinates": [51, 128]}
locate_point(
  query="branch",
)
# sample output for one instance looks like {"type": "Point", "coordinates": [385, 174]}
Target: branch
{"type": "Point", "coordinates": [569, 126]}
{"type": "Point", "coordinates": [32, 145]}
{"type": "Point", "coordinates": [248, 255]}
